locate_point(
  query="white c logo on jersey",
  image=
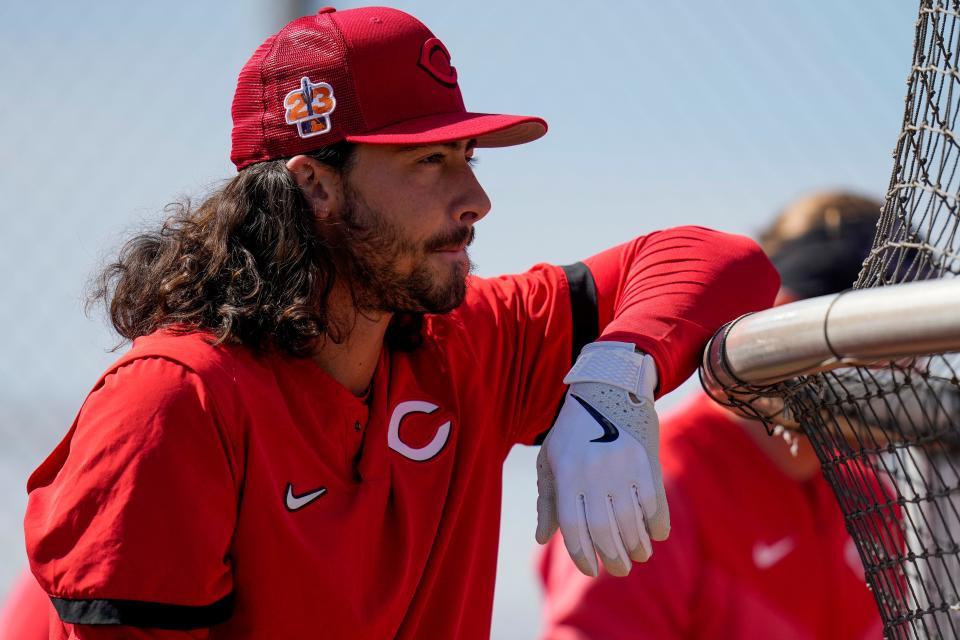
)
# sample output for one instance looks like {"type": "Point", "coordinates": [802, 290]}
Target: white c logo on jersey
{"type": "Point", "coordinates": [401, 447]}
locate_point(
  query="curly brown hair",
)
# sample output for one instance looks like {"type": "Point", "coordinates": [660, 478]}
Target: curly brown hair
{"type": "Point", "coordinates": [247, 264]}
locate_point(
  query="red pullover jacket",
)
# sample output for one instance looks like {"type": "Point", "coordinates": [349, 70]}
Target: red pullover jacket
{"type": "Point", "coordinates": [208, 492]}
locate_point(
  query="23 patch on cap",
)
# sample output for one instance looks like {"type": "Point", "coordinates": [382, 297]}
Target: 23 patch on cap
{"type": "Point", "coordinates": [309, 107]}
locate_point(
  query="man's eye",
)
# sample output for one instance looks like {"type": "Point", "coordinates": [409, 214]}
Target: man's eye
{"type": "Point", "coordinates": [435, 158]}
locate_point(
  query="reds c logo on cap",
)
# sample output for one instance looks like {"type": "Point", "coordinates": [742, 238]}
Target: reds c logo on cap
{"type": "Point", "coordinates": [435, 60]}
{"type": "Point", "coordinates": [309, 107]}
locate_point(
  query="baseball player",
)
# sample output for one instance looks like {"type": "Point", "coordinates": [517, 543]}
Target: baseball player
{"type": "Point", "coordinates": [759, 547]}
{"type": "Point", "coordinates": [26, 610]}
{"type": "Point", "coordinates": [306, 438]}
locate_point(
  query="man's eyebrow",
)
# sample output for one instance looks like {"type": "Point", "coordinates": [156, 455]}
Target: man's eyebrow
{"type": "Point", "coordinates": [471, 144]}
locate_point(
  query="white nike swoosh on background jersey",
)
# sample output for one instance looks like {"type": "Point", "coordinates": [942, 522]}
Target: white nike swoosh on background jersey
{"type": "Point", "coordinates": [767, 555]}
{"type": "Point", "coordinates": [299, 502]}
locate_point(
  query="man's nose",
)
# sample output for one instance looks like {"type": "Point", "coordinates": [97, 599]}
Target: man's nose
{"type": "Point", "coordinates": [475, 204]}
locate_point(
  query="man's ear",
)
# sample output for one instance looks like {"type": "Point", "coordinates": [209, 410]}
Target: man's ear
{"type": "Point", "coordinates": [319, 182]}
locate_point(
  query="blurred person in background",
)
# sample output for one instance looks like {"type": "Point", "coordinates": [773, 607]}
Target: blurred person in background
{"type": "Point", "coordinates": [758, 546]}
{"type": "Point", "coordinates": [26, 612]}
{"type": "Point", "coordinates": [307, 436]}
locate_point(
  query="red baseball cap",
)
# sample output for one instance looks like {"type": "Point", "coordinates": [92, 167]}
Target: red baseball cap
{"type": "Point", "coordinates": [373, 74]}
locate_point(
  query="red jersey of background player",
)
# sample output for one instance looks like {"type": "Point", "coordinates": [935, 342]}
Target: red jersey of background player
{"type": "Point", "coordinates": [777, 565]}
{"type": "Point", "coordinates": [253, 496]}
{"type": "Point", "coordinates": [26, 613]}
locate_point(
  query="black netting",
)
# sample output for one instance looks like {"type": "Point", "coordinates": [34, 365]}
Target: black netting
{"type": "Point", "coordinates": [888, 435]}
{"type": "Point", "coordinates": [917, 236]}
{"type": "Point", "coordinates": [887, 440]}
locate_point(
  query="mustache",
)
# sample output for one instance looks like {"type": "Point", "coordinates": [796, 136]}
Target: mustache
{"type": "Point", "coordinates": [452, 238]}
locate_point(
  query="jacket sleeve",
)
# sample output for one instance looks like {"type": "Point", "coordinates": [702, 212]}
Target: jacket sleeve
{"type": "Point", "coordinates": [666, 292]}
{"type": "Point", "coordinates": [133, 528]}
{"type": "Point", "coordinates": [669, 291]}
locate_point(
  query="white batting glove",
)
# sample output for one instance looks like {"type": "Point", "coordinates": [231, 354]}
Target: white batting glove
{"type": "Point", "coordinates": [598, 471]}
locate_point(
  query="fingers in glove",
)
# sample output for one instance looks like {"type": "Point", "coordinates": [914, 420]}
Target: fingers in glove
{"type": "Point", "coordinates": [658, 519]}
{"type": "Point", "coordinates": [576, 534]}
{"type": "Point", "coordinates": [646, 494]}
{"type": "Point", "coordinates": [653, 501]}
{"type": "Point", "coordinates": [547, 522]}
{"type": "Point", "coordinates": [546, 519]}
{"type": "Point", "coordinates": [659, 524]}
{"type": "Point", "coordinates": [605, 533]}
{"type": "Point", "coordinates": [633, 528]}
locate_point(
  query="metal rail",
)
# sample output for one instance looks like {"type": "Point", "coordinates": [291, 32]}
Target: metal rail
{"type": "Point", "coordinates": [851, 328]}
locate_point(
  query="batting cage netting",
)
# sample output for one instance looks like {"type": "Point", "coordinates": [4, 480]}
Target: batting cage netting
{"type": "Point", "coordinates": [888, 433]}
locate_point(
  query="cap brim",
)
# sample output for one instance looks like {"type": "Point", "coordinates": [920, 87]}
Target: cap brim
{"type": "Point", "coordinates": [489, 130]}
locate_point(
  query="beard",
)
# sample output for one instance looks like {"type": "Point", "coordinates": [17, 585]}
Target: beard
{"type": "Point", "coordinates": [370, 251]}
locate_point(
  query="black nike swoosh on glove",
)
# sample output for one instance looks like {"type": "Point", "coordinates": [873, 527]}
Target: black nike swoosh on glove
{"type": "Point", "coordinates": [610, 431]}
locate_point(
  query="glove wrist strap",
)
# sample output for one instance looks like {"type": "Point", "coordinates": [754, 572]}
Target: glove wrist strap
{"type": "Point", "coordinates": [617, 364]}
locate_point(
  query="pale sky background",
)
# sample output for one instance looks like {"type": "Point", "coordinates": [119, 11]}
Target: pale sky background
{"type": "Point", "coordinates": [712, 112]}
